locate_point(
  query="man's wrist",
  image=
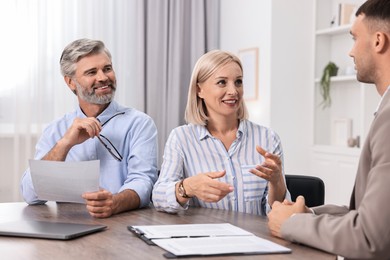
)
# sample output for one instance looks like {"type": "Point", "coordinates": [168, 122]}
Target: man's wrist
{"type": "Point", "coordinates": [63, 146]}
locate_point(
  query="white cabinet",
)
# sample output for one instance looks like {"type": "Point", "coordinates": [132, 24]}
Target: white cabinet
{"type": "Point", "coordinates": [352, 104]}
{"type": "Point", "coordinates": [337, 168]}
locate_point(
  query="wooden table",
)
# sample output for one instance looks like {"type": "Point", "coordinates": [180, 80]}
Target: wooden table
{"type": "Point", "coordinates": [117, 242]}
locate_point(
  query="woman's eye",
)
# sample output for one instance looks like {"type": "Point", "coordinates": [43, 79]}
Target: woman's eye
{"type": "Point", "coordinates": [221, 82]}
{"type": "Point", "coordinates": [238, 83]}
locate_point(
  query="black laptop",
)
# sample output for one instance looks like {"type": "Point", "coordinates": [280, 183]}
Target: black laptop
{"type": "Point", "coordinates": [48, 230]}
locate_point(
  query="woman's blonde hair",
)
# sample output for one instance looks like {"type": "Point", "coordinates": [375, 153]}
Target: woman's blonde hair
{"type": "Point", "coordinates": [210, 62]}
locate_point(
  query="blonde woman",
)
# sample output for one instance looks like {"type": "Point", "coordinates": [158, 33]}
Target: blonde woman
{"type": "Point", "coordinates": [220, 159]}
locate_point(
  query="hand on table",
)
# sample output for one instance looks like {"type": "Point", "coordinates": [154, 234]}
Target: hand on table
{"type": "Point", "coordinates": [282, 211]}
{"type": "Point", "coordinates": [100, 203]}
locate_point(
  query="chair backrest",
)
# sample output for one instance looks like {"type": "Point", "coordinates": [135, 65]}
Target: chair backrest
{"type": "Point", "coordinates": [311, 187]}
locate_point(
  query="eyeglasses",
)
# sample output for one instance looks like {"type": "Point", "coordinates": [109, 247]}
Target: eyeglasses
{"type": "Point", "coordinates": [107, 143]}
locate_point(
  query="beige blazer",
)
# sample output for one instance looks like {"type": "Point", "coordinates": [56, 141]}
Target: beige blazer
{"type": "Point", "coordinates": [362, 230]}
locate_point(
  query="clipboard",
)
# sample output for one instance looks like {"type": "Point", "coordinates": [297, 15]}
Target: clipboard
{"type": "Point", "coordinates": [141, 235]}
{"type": "Point", "coordinates": [151, 232]}
{"type": "Point", "coordinates": [195, 239]}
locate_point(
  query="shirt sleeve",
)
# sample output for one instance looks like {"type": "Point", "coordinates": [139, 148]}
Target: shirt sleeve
{"type": "Point", "coordinates": [142, 161]}
{"type": "Point", "coordinates": [164, 192]}
{"type": "Point", "coordinates": [278, 150]}
{"type": "Point", "coordinates": [43, 146]}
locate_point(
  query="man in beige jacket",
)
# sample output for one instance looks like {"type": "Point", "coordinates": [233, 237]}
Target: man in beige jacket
{"type": "Point", "coordinates": [361, 231]}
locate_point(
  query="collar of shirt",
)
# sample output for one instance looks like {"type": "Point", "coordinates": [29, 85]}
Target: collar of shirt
{"type": "Point", "coordinates": [112, 109]}
{"type": "Point", "coordinates": [380, 102]}
{"type": "Point", "coordinates": [203, 133]}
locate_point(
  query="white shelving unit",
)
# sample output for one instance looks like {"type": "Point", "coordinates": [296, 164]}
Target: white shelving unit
{"type": "Point", "coordinates": [342, 29]}
{"type": "Point", "coordinates": [351, 110]}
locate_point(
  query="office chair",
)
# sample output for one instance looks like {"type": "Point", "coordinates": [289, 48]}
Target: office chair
{"type": "Point", "coordinates": [311, 187]}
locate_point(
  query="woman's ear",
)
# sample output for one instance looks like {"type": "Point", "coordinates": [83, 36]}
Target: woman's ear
{"type": "Point", "coordinates": [199, 90]}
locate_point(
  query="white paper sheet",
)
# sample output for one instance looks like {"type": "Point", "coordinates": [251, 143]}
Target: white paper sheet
{"type": "Point", "coordinates": [190, 230]}
{"type": "Point", "coordinates": [220, 245]}
{"type": "Point", "coordinates": [206, 239]}
{"type": "Point", "coordinates": [64, 181]}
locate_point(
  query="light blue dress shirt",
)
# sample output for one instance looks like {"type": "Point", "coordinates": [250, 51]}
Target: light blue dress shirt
{"type": "Point", "coordinates": [134, 135]}
{"type": "Point", "coordinates": [191, 149]}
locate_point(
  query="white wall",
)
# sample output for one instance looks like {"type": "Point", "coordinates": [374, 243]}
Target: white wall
{"type": "Point", "coordinates": [283, 32]}
{"type": "Point", "coordinates": [292, 51]}
{"type": "Point", "coordinates": [247, 24]}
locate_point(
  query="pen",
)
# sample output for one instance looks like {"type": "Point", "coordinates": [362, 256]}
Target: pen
{"type": "Point", "coordinates": [188, 236]}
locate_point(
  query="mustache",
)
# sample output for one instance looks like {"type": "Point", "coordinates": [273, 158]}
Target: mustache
{"type": "Point", "coordinates": [109, 83]}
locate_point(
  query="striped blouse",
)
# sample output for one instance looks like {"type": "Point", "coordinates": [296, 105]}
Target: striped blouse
{"type": "Point", "coordinates": [191, 149]}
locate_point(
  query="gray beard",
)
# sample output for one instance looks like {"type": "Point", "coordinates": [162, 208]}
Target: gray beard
{"type": "Point", "coordinates": [90, 97]}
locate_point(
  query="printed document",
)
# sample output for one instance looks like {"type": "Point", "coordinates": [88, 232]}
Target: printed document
{"type": "Point", "coordinates": [205, 239]}
{"type": "Point", "coordinates": [220, 246]}
{"type": "Point", "coordinates": [190, 230]}
{"type": "Point", "coordinates": [64, 181]}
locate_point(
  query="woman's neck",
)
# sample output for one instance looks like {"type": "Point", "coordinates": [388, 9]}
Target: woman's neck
{"type": "Point", "coordinates": [222, 127]}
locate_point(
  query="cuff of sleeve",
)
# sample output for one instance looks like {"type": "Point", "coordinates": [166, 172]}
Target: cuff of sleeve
{"type": "Point", "coordinates": [141, 188]}
{"type": "Point", "coordinates": [167, 200]}
{"type": "Point", "coordinates": [172, 201]}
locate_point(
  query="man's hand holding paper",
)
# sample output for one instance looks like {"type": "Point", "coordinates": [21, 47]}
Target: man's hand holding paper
{"type": "Point", "coordinates": [64, 181]}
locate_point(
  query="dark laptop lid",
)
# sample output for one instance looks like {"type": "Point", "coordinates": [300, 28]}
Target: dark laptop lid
{"type": "Point", "coordinates": [49, 230]}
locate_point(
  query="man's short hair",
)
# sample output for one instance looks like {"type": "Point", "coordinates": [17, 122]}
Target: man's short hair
{"type": "Point", "coordinates": [77, 50]}
{"type": "Point", "coordinates": [377, 13]}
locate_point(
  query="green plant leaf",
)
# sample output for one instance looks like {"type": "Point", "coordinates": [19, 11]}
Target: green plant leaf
{"type": "Point", "coordinates": [329, 71]}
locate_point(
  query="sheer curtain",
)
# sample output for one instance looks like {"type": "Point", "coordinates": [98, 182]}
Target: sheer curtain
{"type": "Point", "coordinates": [154, 44]}
{"type": "Point", "coordinates": [175, 35]}
{"type": "Point", "coordinates": [33, 92]}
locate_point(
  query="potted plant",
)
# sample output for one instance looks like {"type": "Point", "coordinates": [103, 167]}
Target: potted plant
{"type": "Point", "coordinates": [330, 70]}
